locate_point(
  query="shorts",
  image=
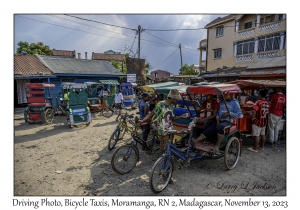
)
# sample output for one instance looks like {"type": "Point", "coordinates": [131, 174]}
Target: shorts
{"type": "Point", "coordinates": [118, 106]}
{"type": "Point", "coordinates": [258, 131]}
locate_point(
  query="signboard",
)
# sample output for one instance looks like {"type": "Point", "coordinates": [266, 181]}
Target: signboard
{"type": "Point", "coordinates": [131, 77]}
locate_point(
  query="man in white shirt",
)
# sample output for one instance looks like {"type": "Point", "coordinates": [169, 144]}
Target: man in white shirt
{"type": "Point", "coordinates": [119, 101]}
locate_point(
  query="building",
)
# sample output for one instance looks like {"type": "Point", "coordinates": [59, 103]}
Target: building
{"type": "Point", "coordinates": [58, 69]}
{"type": "Point", "coordinates": [108, 56]}
{"type": "Point", "coordinates": [237, 41]}
{"type": "Point", "coordinates": [159, 74]}
{"type": "Point", "coordinates": [64, 53]}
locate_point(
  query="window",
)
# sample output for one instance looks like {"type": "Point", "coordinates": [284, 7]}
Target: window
{"type": "Point", "coordinates": [270, 18]}
{"type": "Point", "coordinates": [219, 31]}
{"type": "Point", "coordinates": [248, 25]}
{"type": "Point", "coordinates": [217, 53]}
{"type": "Point", "coordinates": [269, 43]}
{"type": "Point", "coordinates": [245, 47]}
{"type": "Point", "coordinates": [155, 74]}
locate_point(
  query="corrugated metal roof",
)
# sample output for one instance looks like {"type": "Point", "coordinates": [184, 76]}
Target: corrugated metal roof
{"type": "Point", "coordinates": [264, 72]}
{"type": "Point", "coordinates": [78, 66]}
{"type": "Point", "coordinates": [108, 57]}
{"type": "Point", "coordinates": [29, 65]}
{"type": "Point", "coordinates": [219, 19]}
{"type": "Point", "coordinates": [269, 63]}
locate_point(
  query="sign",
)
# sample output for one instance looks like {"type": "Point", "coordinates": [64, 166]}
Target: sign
{"type": "Point", "coordinates": [131, 77]}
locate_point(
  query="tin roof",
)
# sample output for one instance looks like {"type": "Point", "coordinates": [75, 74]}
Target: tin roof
{"type": "Point", "coordinates": [60, 65]}
{"type": "Point", "coordinates": [269, 63]}
{"type": "Point", "coordinates": [29, 65]}
{"type": "Point", "coordinates": [108, 57]}
{"type": "Point", "coordinates": [219, 20]}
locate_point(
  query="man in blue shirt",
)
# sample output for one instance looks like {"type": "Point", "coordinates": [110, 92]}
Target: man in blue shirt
{"type": "Point", "coordinates": [144, 110]}
{"type": "Point", "coordinates": [224, 119]}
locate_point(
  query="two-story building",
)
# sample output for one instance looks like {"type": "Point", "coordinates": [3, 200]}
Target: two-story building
{"type": "Point", "coordinates": [237, 41]}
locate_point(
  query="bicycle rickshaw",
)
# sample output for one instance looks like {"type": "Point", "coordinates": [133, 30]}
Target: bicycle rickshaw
{"type": "Point", "coordinates": [94, 101]}
{"type": "Point", "coordinates": [39, 96]}
{"type": "Point", "coordinates": [230, 146]}
{"type": "Point", "coordinates": [77, 108]}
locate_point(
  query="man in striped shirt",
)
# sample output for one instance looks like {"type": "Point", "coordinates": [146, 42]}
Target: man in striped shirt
{"type": "Point", "coordinates": [259, 121]}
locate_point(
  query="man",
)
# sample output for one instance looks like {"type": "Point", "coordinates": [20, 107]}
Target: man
{"type": "Point", "coordinates": [277, 104]}
{"type": "Point", "coordinates": [210, 107]}
{"type": "Point", "coordinates": [144, 111]}
{"type": "Point", "coordinates": [259, 120]}
{"type": "Point", "coordinates": [162, 109]}
{"type": "Point", "coordinates": [64, 103]}
{"type": "Point", "coordinates": [119, 102]}
{"type": "Point", "coordinates": [223, 121]}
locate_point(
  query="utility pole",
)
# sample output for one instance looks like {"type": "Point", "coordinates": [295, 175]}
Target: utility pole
{"type": "Point", "coordinates": [181, 62]}
{"type": "Point", "coordinates": [139, 42]}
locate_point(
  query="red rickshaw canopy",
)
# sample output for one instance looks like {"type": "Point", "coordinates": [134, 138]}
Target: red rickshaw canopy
{"type": "Point", "coordinates": [216, 89]}
{"type": "Point", "coordinates": [39, 85]}
{"type": "Point", "coordinates": [257, 84]}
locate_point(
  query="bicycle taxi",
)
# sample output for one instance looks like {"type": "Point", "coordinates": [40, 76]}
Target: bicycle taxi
{"type": "Point", "coordinates": [94, 100]}
{"type": "Point", "coordinates": [39, 96]}
{"type": "Point", "coordinates": [230, 147]}
{"type": "Point", "coordinates": [77, 108]}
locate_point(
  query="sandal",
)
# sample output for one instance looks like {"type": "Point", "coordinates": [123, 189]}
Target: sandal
{"type": "Point", "coordinates": [251, 149]}
{"type": "Point", "coordinates": [261, 148]}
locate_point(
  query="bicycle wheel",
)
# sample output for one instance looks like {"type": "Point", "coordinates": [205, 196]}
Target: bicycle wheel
{"type": "Point", "coordinates": [232, 152]}
{"type": "Point", "coordinates": [49, 115]}
{"type": "Point", "coordinates": [161, 174]}
{"type": "Point", "coordinates": [124, 159]}
{"type": "Point", "coordinates": [114, 138]}
{"type": "Point", "coordinates": [107, 111]}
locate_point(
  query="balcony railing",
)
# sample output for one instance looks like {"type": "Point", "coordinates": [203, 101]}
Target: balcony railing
{"type": "Point", "coordinates": [243, 58]}
{"type": "Point", "coordinates": [267, 55]}
{"type": "Point", "coordinates": [269, 27]}
{"type": "Point", "coordinates": [246, 32]}
{"type": "Point", "coordinates": [278, 25]}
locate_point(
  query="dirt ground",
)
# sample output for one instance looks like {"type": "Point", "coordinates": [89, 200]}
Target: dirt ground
{"type": "Point", "coordinates": [54, 160]}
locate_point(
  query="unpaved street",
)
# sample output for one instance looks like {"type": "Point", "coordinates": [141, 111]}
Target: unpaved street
{"type": "Point", "coordinates": [57, 160]}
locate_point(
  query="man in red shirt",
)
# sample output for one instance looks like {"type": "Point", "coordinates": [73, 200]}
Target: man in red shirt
{"type": "Point", "coordinates": [210, 107]}
{"type": "Point", "coordinates": [259, 121]}
{"type": "Point", "coordinates": [277, 103]}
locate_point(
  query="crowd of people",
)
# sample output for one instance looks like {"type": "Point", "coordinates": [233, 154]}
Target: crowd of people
{"type": "Point", "coordinates": [218, 116]}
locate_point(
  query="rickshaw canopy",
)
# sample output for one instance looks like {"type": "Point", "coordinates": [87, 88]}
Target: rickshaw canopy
{"type": "Point", "coordinates": [256, 84]}
{"type": "Point", "coordinates": [39, 86]}
{"type": "Point", "coordinates": [166, 90]}
{"type": "Point", "coordinates": [93, 84]}
{"type": "Point", "coordinates": [126, 84]}
{"type": "Point", "coordinates": [216, 89]}
{"type": "Point", "coordinates": [151, 88]}
{"type": "Point", "coordinates": [109, 82]}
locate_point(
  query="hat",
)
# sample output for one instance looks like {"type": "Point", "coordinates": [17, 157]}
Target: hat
{"type": "Point", "coordinates": [174, 94]}
{"type": "Point", "coordinates": [145, 94]}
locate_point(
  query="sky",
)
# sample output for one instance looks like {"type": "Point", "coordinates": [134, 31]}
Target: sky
{"type": "Point", "coordinates": [15, 29]}
{"type": "Point", "coordinates": [118, 32]}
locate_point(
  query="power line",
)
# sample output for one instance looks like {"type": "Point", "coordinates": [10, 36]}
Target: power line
{"type": "Point", "coordinates": [161, 44]}
{"type": "Point", "coordinates": [165, 59]}
{"type": "Point", "coordinates": [100, 22]}
{"type": "Point", "coordinates": [161, 39]}
{"type": "Point", "coordinates": [103, 29]}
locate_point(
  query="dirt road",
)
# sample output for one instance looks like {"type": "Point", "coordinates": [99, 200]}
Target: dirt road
{"type": "Point", "coordinates": [56, 160]}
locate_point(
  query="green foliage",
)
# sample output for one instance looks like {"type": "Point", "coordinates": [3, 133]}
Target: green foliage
{"type": "Point", "coordinates": [34, 48]}
{"type": "Point", "coordinates": [147, 68]}
{"type": "Point", "coordinates": [188, 70]}
{"type": "Point", "coordinates": [121, 66]}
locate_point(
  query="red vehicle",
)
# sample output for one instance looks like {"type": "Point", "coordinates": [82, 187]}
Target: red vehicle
{"type": "Point", "coordinates": [39, 97]}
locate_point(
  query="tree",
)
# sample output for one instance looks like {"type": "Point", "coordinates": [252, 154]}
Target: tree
{"type": "Point", "coordinates": [34, 48]}
{"type": "Point", "coordinates": [188, 70]}
{"type": "Point", "coordinates": [147, 68]}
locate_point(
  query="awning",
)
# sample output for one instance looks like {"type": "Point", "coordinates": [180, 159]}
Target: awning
{"type": "Point", "coordinates": [109, 82]}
